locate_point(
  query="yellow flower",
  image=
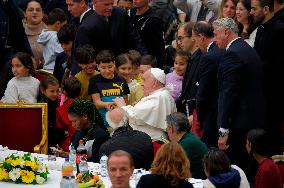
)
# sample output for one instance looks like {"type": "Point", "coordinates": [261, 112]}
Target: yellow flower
{"type": "Point", "coordinates": [28, 176]}
{"type": "Point", "coordinates": [4, 175]}
{"type": "Point", "coordinates": [15, 162]}
{"type": "Point", "coordinates": [9, 160]}
{"type": "Point", "coordinates": [32, 164]}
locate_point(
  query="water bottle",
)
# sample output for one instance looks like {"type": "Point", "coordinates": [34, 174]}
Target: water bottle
{"type": "Point", "coordinates": [72, 156]}
{"type": "Point", "coordinates": [103, 162]}
{"type": "Point", "coordinates": [83, 165]}
{"type": "Point", "coordinates": [67, 169]}
{"type": "Point", "coordinates": [68, 182]}
{"type": "Point", "coordinates": [81, 155]}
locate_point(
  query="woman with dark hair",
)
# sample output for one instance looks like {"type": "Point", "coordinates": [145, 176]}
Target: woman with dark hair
{"type": "Point", "coordinates": [244, 19]}
{"type": "Point", "coordinates": [169, 169]}
{"type": "Point", "coordinates": [87, 122]}
{"type": "Point", "coordinates": [220, 172]}
{"type": "Point", "coordinates": [33, 26]}
{"type": "Point", "coordinates": [268, 174]}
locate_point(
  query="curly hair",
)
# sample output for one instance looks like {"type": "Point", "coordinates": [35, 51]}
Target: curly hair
{"type": "Point", "coordinates": [172, 163]}
{"type": "Point", "coordinates": [83, 107]}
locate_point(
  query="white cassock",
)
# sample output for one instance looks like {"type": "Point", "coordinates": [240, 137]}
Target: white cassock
{"type": "Point", "coordinates": [149, 114]}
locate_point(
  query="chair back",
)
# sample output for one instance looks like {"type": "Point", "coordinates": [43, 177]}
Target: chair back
{"type": "Point", "coordinates": [23, 127]}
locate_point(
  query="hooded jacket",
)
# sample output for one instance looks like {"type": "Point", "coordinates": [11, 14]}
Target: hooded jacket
{"type": "Point", "coordinates": [235, 178]}
{"type": "Point", "coordinates": [51, 48]}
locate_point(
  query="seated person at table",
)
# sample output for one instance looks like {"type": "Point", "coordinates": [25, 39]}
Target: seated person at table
{"type": "Point", "coordinates": [23, 86]}
{"type": "Point", "coordinates": [106, 86]}
{"type": "Point", "coordinates": [137, 143]}
{"type": "Point", "coordinates": [71, 88]}
{"type": "Point", "coordinates": [120, 168]}
{"type": "Point", "coordinates": [87, 122]}
{"type": "Point", "coordinates": [220, 172]}
{"type": "Point", "coordinates": [85, 57]}
{"type": "Point", "coordinates": [179, 131]}
{"type": "Point", "coordinates": [49, 88]}
{"type": "Point", "coordinates": [169, 169]}
{"type": "Point", "coordinates": [268, 174]}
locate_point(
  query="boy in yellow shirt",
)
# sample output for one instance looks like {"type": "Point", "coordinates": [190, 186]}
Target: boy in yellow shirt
{"type": "Point", "coordinates": [85, 57]}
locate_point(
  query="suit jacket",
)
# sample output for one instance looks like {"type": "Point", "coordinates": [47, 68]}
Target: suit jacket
{"type": "Point", "coordinates": [207, 91]}
{"type": "Point", "coordinates": [241, 101]}
{"type": "Point", "coordinates": [189, 89]}
{"type": "Point", "coordinates": [116, 34]}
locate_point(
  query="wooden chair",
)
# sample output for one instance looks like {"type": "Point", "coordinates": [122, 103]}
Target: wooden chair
{"type": "Point", "coordinates": [24, 127]}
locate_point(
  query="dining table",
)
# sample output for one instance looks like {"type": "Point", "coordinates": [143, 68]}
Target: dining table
{"type": "Point", "coordinates": [55, 165]}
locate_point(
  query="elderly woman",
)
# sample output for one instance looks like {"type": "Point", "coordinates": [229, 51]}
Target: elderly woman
{"type": "Point", "coordinates": [33, 27]}
{"type": "Point", "coordinates": [169, 169]}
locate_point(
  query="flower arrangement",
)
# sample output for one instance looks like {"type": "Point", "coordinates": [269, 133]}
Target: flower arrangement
{"type": "Point", "coordinates": [23, 169]}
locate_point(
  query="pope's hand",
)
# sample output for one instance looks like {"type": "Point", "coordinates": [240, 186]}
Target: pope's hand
{"type": "Point", "coordinates": [222, 142]}
{"type": "Point", "coordinates": [119, 101]}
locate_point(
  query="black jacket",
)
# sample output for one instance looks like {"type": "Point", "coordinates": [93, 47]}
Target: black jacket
{"type": "Point", "coordinates": [137, 143]}
{"type": "Point", "coordinates": [157, 181]}
{"type": "Point", "coordinates": [207, 92]}
{"type": "Point", "coordinates": [241, 101]}
{"type": "Point", "coordinates": [116, 34]}
{"type": "Point", "coordinates": [189, 88]}
{"type": "Point", "coordinates": [150, 28]}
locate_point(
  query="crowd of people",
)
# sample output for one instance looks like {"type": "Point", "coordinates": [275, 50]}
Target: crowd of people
{"type": "Point", "coordinates": [181, 88]}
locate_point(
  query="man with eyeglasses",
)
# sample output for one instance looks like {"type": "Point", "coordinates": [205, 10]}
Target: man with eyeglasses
{"type": "Point", "coordinates": [186, 101]}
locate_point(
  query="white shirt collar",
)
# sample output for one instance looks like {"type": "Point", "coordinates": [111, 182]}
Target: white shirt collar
{"type": "Point", "coordinates": [209, 45]}
{"type": "Point", "coordinates": [82, 15]}
{"type": "Point", "coordinates": [228, 46]}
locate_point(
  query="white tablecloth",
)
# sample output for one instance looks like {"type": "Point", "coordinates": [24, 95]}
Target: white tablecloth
{"type": "Point", "coordinates": [54, 177]}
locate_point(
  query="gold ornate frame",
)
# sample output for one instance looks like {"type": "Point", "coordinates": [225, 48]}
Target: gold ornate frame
{"type": "Point", "coordinates": [42, 147]}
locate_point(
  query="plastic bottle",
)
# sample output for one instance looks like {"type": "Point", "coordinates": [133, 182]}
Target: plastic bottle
{"type": "Point", "coordinates": [103, 162]}
{"type": "Point", "coordinates": [68, 182]}
{"type": "Point", "coordinates": [68, 178]}
{"type": "Point", "coordinates": [72, 156]}
{"type": "Point", "coordinates": [67, 169]}
{"type": "Point", "coordinates": [81, 155]}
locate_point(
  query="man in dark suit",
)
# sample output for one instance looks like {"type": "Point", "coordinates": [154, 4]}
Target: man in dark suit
{"type": "Point", "coordinates": [241, 105]}
{"type": "Point", "coordinates": [186, 102]}
{"type": "Point", "coordinates": [79, 9]}
{"type": "Point", "coordinates": [207, 91]}
{"type": "Point", "coordinates": [269, 45]}
{"type": "Point", "coordinates": [109, 28]}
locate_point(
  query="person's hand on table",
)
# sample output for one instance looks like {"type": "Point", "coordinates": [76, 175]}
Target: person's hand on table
{"type": "Point", "coordinates": [59, 152]}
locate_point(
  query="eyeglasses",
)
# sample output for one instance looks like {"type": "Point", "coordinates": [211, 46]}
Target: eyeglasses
{"type": "Point", "coordinates": [180, 38]}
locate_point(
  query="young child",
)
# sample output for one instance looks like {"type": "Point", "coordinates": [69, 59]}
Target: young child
{"type": "Point", "coordinates": [135, 57]}
{"type": "Point", "coordinates": [71, 88]}
{"type": "Point", "coordinates": [66, 37]}
{"type": "Point", "coordinates": [49, 88]}
{"type": "Point", "coordinates": [124, 69]}
{"type": "Point", "coordinates": [85, 57]}
{"type": "Point", "coordinates": [48, 38]}
{"type": "Point", "coordinates": [147, 62]}
{"type": "Point", "coordinates": [174, 79]}
{"type": "Point", "coordinates": [23, 86]}
{"type": "Point", "coordinates": [107, 86]}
